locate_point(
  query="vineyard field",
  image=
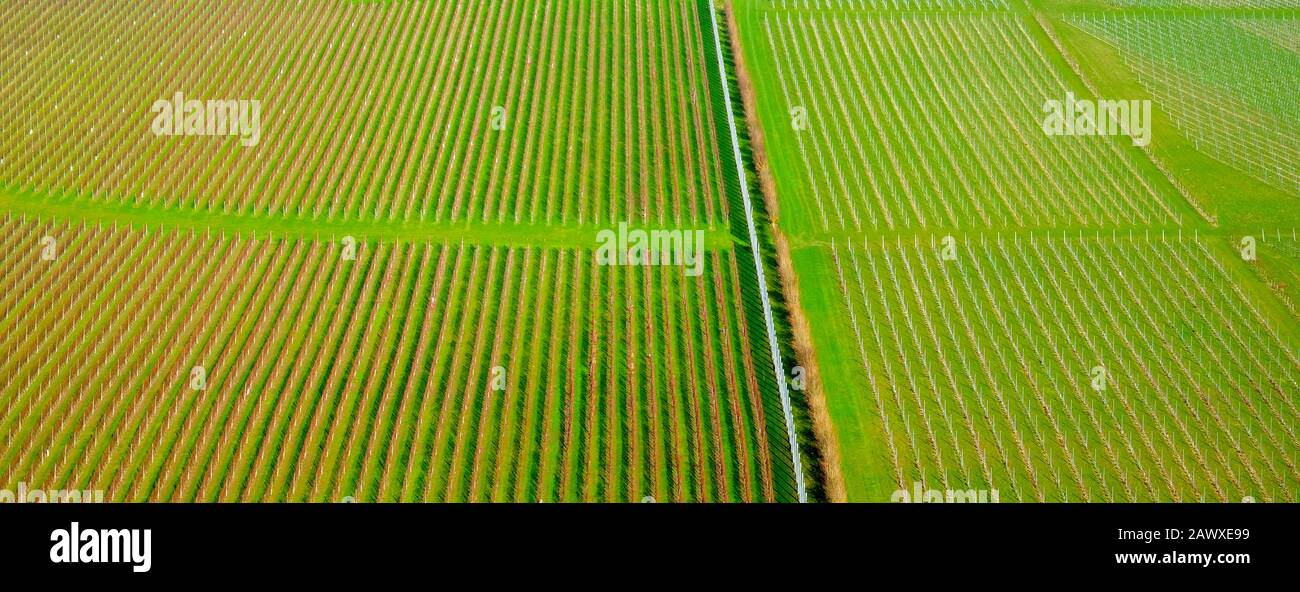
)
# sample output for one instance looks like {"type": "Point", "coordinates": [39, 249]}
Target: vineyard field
{"type": "Point", "coordinates": [472, 111]}
{"type": "Point", "coordinates": [932, 120]}
{"type": "Point", "coordinates": [1240, 111]}
{"type": "Point", "coordinates": [390, 291]}
{"type": "Point", "coordinates": [998, 309]}
{"type": "Point", "coordinates": [983, 372]}
{"type": "Point", "coordinates": [623, 251]}
{"type": "Point", "coordinates": [410, 373]}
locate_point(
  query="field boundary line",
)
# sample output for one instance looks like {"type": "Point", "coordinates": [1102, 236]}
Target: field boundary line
{"type": "Point", "coordinates": [37, 204]}
{"type": "Point", "coordinates": [778, 365]}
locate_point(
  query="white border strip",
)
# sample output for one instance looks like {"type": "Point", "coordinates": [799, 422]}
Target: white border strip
{"type": "Point", "coordinates": [778, 366]}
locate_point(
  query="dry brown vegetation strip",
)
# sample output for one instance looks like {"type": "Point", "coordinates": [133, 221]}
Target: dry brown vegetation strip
{"type": "Point", "coordinates": [823, 430]}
